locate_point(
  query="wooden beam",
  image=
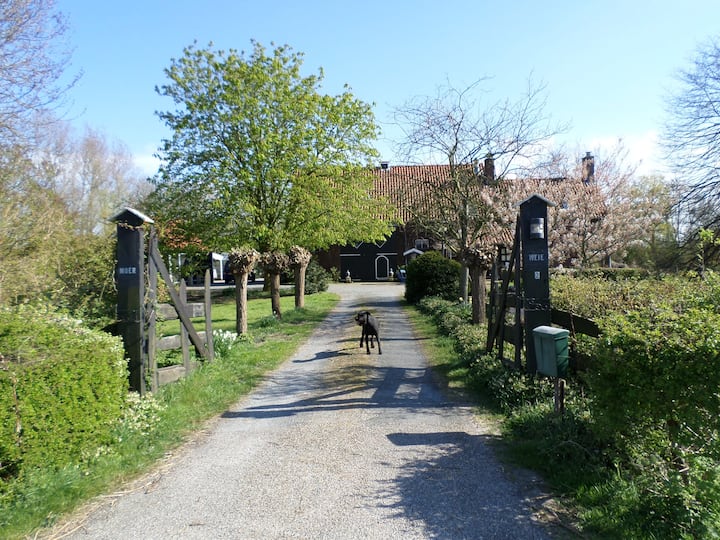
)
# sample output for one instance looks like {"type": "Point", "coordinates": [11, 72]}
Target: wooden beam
{"type": "Point", "coordinates": [179, 306]}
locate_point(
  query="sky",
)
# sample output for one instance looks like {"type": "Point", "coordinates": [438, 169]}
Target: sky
{"type": "Point", "coordinates": [607, 66]}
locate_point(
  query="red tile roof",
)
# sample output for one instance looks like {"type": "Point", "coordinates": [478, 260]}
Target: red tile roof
{"type": "Point", "coordinates": [408, 186]}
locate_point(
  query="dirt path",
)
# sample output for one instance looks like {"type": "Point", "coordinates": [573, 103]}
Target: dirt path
{"type": "Point", "coordinates": [335, 444]}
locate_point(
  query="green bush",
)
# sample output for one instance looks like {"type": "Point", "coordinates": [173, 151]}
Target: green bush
{"type": "Point", "coordinates": [86, 276]}
{"type": "Point", "coordinates": [470, 341]}
{"type": "Point", "coordinates": [659, 370]}
{"type": "Point", "coordinates": [654, 391]}
{"type": "Point", "coordinates": [317, 279]}
{"type": "Point", "coordinates": [446, 314]}
{"type": "Point", "coordinates": [596, 297]}
{"type": "Point", "coordinates": [431, 274]}
{"type": "Point", "coordinates": [610, 274]}
{"type": "Point", "coordinates": [62, 389]}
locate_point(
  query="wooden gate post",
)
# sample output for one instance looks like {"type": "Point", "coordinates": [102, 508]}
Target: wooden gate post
{"type": "Point", "coordinates": [130, 279]}
{"type": "Point", "coordinates": [535, 271]}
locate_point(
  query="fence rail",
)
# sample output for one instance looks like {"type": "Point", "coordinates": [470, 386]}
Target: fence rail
{"type": "Point", "coordinates": [503, 301]}
{"type": "Point", "coordinates": [179, 309]}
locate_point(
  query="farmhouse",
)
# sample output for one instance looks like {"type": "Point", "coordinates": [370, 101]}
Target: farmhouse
{"type": "Point", "coordinates": [409, 187]}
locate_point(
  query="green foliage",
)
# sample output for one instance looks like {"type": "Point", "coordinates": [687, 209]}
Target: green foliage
{"type": "Point", "coordinates": [55, 241]}
{"type": "Point", "coordinates": [595, 297]}
{"type": "Point", "coordinates": [565, 449]}
{"type": "Point", "coordinates": [504, 388]}
{"type": "Point", "coordinates": [657, 369]}
{"type": "Point", "coordinates": [86, 276]}
{"type": "Point", "coordinates": [610, 274]}
{"type": "Point", "coordinates": [637, 448]}
{"type": "Point", "coordinates": [141, 416]}
{"type": "Point", "coordinates": [446, 314]}
{"type": "Point", "coordinates": [317, 279]}
{"type": "Point", "coordinates": [510, 388]}
{"type": "Point", "coordinates": [654, 389]}
{"type": "Point", "coordinates": [63, 389]}
{"type": "Point", "coordinates": [259, 156]}
{"type": "Point", "coordinates": [431, 274]}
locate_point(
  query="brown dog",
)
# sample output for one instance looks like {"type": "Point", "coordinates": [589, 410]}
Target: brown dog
{"type": "Point", "coordinates": [370, 330]}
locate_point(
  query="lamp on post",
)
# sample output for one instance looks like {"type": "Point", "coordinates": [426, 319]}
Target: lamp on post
{"type": "Point", "coordinates": [537, 228]}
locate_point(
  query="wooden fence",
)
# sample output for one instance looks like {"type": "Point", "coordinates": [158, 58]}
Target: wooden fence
{"type": "Point", "coordinates": [178, 309]}
{"type": "Point", "coordinates": [166, 312]}
{"type": "Point", "coordinates": [504, 304]}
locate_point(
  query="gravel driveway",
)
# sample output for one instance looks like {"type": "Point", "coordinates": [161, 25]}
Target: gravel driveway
{"type": "Point", "coordinates": [335, 444]}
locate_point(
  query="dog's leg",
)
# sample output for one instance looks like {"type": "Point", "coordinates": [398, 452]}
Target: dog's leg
{"type": "Point", "coordinates": [368, 340]}
{"type": "Point", "coordinates": [377, 336]}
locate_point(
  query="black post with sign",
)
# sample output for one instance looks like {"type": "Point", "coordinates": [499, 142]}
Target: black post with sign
{"type": "Point", "coordinates": [130, 279]}
{"type": "Point", "coordinates": [535, 271]}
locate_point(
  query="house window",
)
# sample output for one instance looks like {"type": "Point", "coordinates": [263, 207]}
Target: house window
{"type": "Point", "coordinates": [422, 244]}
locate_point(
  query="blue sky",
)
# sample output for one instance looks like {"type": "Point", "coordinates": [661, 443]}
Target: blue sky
{"type": "Point", "coordinates": [607, 64]}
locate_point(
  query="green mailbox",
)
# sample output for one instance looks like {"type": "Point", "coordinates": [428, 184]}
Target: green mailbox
{"type": "Point", "coordinates": [551, 349]}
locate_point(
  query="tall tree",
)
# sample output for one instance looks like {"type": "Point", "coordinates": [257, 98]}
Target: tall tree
{"type": "Point", "coordinates": [93, 174]}
{"type": "Point", "coordinates": [454, 126]}
{"type": "Point", "coordinates": [265, 159]}
{"type": "Point", "coordinates": [692, 132]}
{"type": "Point", "coordinates": [34, 224]}
{"type": "Point", "coordinates": [595, 219]}
{"type": "Point", "coordinates": [33, 58]}
{"type": "Point", "coordinates": [54, 205]}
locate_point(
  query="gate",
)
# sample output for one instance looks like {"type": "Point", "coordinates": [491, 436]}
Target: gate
{"type": "Point", "coordinates": [137, 308]}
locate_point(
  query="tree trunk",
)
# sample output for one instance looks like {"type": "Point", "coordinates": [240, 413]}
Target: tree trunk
{"type": "Point", "coordinates": [300, 286]}
{"type": "Point", "coordinates": [275, 294]}
{"type": "Point", "coordinates": [464, 282]}
{"type": "Point", "coordinates": [477, 282]}
{"type": "Point", "coordinates": [475, 293]}
{"type": "Point", "coordinates": [299, 259]}
{"type": "Point", "coordinates": [241, 323]}
{"type": "Point", "coordinates": [241, 263]}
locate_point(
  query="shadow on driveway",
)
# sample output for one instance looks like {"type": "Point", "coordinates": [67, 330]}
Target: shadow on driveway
{"type": "Point", "coordinates": [378, 388]}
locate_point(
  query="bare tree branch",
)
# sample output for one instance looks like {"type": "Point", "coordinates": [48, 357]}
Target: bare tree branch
{"type": "Point", "coordinates": [33, 58]}
{"type": "Point", "coordinates": [692, 134]}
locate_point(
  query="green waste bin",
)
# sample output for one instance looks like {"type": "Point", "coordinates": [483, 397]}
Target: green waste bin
{"type": "Point", "coordinates": [551, 350]}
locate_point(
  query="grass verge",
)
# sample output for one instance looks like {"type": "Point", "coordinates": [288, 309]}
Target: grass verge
{"type": "Point", "coordinates": [43, 497]}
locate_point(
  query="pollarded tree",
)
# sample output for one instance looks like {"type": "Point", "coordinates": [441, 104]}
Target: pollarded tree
{"type": "Point", "coordinates": [263, 157]}
{"type": "Point", "coordinates": [274, 264]}
{"type": "Point", "coordinates": [241, 263]}
{"type": "Point", "coordinates": [298, 260]}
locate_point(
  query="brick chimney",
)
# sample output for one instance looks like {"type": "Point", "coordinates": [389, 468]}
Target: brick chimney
{"type": "Point", "coordinates": [489, 168]}
{"type": "Point", "coordinates": [588, 168]}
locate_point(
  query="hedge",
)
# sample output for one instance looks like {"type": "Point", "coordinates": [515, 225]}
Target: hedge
{"type": "Point", "coordinates": [431, 274]}
{"type": "Point", "coordinates": [63, 389]}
